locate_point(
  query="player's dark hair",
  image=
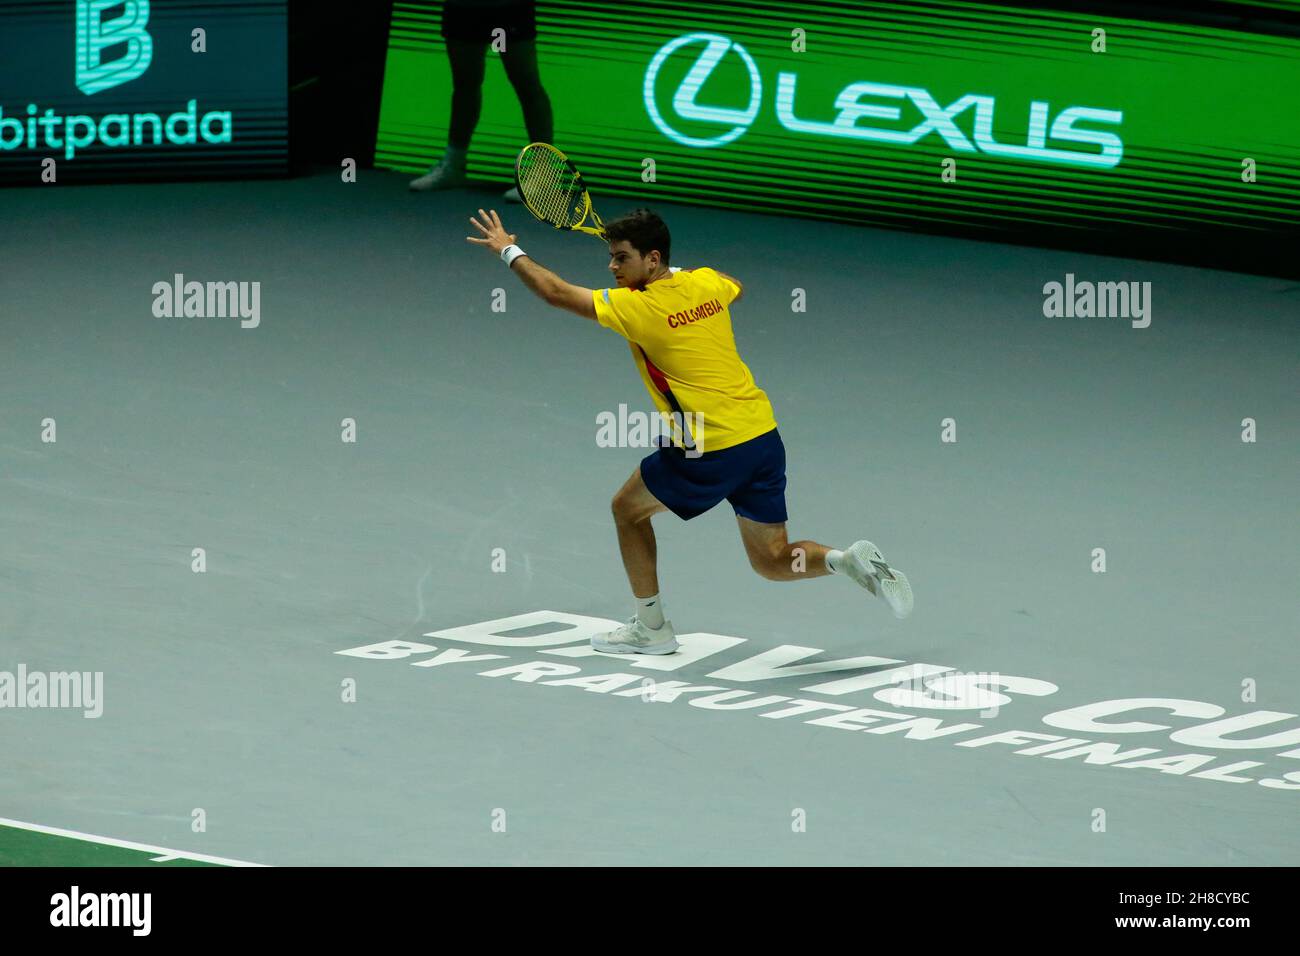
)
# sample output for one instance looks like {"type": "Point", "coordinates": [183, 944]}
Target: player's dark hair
{"type": "Point", "coordinates": [644, 230]}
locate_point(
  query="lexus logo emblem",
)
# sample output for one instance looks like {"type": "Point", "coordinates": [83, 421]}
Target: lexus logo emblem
{"type": "Point", "coordinates": [716, 48]}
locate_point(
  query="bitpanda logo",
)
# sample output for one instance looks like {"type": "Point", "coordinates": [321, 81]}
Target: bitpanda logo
{"type": "Point", "coordinates": [93, 75]}
{"type": "Point", "coordinates": [94, 35]}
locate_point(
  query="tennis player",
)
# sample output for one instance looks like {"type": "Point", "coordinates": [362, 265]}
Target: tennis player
{"type": "Point", "coordinates": [678, 325]}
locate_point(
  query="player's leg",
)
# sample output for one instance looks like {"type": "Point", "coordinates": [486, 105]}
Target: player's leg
{"type": "Point", "coordinates": [633, 507]}
{"type": "Point", "coordinates": [774, 557]}
{"type": "Point", "coordinates": [647, 632]}
{"type": "Point", "coordinates": [759, 502]}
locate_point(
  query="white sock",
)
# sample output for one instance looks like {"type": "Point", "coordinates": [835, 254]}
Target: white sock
{"type": "Point", "coordinates": [833, 558]}
{"type": "Point", "coordinates": [650, 612]}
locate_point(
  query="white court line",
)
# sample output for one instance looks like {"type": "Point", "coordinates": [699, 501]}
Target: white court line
{"type": "Point", "coordinates": [164, 853]}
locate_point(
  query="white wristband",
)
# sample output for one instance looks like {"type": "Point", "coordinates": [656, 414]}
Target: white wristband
{"type": "Point", "coordinates": [674, 268]}
{"type": "Point", "coordinates": [510, 253]}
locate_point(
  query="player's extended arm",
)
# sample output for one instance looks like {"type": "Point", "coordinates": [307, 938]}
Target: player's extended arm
{"type": "Point", "coordinates": [556, 292]}
{"type": "Point", "coordinates": [734, 281]}
{"type": "Point", "coordinates": [544, 282]}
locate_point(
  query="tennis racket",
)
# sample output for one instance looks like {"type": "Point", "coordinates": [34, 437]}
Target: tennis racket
{"type": "Point", "coordinates": [553, 191]}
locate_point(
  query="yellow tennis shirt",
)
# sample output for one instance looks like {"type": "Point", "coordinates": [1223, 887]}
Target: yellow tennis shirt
{"type": "Point", "coordinates": [679, 330]}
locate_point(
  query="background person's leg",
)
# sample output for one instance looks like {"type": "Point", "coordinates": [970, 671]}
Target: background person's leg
{"type": "Point", "coordinates": [520, 60]}
{"type": "Point", "coordinates": [468, 59]}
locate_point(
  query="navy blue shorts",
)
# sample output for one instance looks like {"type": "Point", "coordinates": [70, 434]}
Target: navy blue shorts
{"type": "Point", "coordinates": [751, 476]}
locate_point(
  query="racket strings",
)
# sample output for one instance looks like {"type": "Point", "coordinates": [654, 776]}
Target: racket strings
{"type": "Point", "coordinates": [551, 189]}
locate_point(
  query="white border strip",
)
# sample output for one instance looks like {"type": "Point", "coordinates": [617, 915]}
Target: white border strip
{"type": "Point", "coordinates": [164, 853]}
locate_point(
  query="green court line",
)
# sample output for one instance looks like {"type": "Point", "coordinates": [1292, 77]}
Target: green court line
{"type": "Point", "coordinates": [30, 844]}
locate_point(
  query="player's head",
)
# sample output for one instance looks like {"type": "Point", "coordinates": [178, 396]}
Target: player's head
{"type": "Point", "coordinates": [639, 246]}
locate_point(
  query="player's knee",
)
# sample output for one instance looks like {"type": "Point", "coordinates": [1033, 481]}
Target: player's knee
{"type": "Point", "coordinates": [765, 566]}
{"type": "Point", "coordinates": [623, 508]}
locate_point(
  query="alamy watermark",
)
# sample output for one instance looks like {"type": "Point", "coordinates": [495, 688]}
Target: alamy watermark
{"type": "Point", "coordinates": [75, 909]}
{"type": "Point", "coordinates": [207, 300]}
{"type": "Point", "coordinates": [636, 429]}
{"type": "Point", "coordinates": [948, 690]}
{"type": "Point", "coordinates": [1103, 300]}
{"type": "Point", "coordinates": [81, 690]}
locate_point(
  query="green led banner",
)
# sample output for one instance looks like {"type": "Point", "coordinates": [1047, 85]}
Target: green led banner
{"type": "Point", "coordinates": [952, 117]}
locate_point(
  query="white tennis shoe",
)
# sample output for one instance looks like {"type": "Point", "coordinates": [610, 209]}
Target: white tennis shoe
{"type": "Point", "coordinates": [635, 638]}
{"type": "Point", "coordinates": [444, 174]}
{"type": "Point", "coordinates": [864, 563]}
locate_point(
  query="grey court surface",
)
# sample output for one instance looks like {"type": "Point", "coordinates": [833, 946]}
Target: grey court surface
{"type": "Point", "coordinates": [476, 430]}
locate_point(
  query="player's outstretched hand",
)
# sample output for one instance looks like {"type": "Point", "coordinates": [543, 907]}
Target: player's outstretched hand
{"type": "Point", "coordinates": [492, 234]}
